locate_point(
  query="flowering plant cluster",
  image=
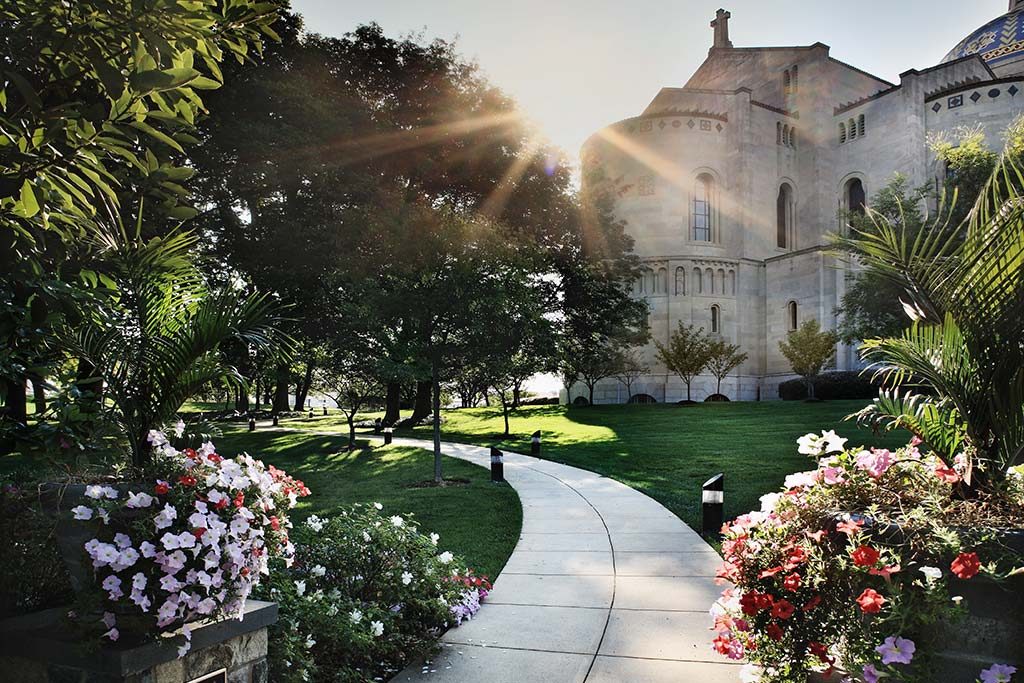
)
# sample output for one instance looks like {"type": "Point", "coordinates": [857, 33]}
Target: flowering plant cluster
{"type": "Point", "coordinates": [189, 544]}
{"type": "Point", "coordinates": [367, 592]}
{"type": "Point", "coordinates": [855, 596]}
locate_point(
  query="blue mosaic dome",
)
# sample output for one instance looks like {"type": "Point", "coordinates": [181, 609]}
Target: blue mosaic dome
{"type": "Point", "coordinates": [999, 40]}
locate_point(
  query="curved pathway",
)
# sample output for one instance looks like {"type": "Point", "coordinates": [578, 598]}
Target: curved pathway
{"type": "Point", "coordinates": [605, 585]}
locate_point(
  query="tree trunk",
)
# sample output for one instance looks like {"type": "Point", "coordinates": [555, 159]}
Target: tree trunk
{"type": "Point", "coordinates": [810, 387]}
{"type": "Point", "coordinates": [516, 397]}
{"type": "Point", "coordinates": [257, 394]}
{"type": "Point", "coordinates": [504, 411]}
{"type": "Point", "coordinates": [437, 428]}
{"type": "Point", "coordinates": [590, 390]}
{"type": "Point", "coordinates": [393, 404]}
{"type": "Point", "coordinates": [15, 402]}
{"type": "Point", "coordinates": [718, 387]}
{"type": "Point", "coordinates": [351, 431]}
{"type": "Point", "coordinates": [280, 404]}
{"type": "Point", "coordinates": [688, 392]}
{"type": "Point", "coordinates": [242, 400]}
{"type": "Point", "coordinates": [38, 395]}
{"type": "Point", "coordinates": [487, 398]}
{"type": "Point", "coordinates": [422, 407]}
{"type": "Point", "coordinates": [302, 391]}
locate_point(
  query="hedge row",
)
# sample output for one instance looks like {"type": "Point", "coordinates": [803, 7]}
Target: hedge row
{"type": "Point", "coordinates": [831, 386]}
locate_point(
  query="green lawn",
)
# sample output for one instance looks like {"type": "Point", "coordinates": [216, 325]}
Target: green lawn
{"type": "Point", "coordinates": [479, 521]}
{"type": "Point", "coordinates": [666, 451]}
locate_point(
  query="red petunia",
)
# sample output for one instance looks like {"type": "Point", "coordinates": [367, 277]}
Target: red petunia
{"type": "Point", "coordinates": [774, 631]}
{"type": "Point", "coordinates": [214, 458]}
{"type": "Point", "coordinates": [947, 474]}
{"type": "Point", "coordinates": [865, 556]}
{"type": "Point", "coordinates": [812, 603]}
{"type": "Point", "coordinates": [792, 582]}
{"type": "Point", "coordinates": [198, 532]}
{"type": "Point", "coordinates": [818, 650]}
{"type": "Point", "coordinates": [966, 565]}
{"type": "Point", "coordinates": [767, 573]}
{"type": "Point", "coordinates": [797, 556]}
{"type": "Point", "coordinates": [885, 572]}
{"type": "Point", "coordinates": [816, 536]}
{"type": "Point", "coordinates": [275, 524]}
{"type": "Point", "coordinates": [871, 601]}
{"type": "Point", "coordinates": [161, 488]}
{"type": "Point", "coordinates": [187, 480]}
{"type": "Point", "coordinates": [783, 609]}
{"type": "Point", "coordinates": [190, 453]}
{"type": "Point", "coordinates": [239, 499]}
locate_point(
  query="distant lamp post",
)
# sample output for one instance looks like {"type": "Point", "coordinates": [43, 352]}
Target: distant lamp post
{"type": "Point", "coordinates": [309, 415]}
{"type": "Point", "coordinates": [535, 444]}
{"type": "Point", "coordinates": [377, 424]}
{"type": "Point", "coordinates": [712, 505]}
{"type": "Point", "coordinates": [252, 423]}
{"type": "Point", "coordinates": [387, 435]}
{"type": "Point", "coordinates": [325, 408]}
{"type": "Point", "coordinates": [497, 466]}
{"type": "Point", "coordinates": [275, 419]}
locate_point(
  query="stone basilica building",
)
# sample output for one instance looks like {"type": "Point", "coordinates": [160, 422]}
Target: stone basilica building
{"type": "Point", "coordinates": [730, 183]}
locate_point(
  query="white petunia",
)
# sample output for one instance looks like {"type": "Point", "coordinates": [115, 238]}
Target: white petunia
{"type": "Point", "coordinates": [318, 570]}
{"type": "Point", "coordinates": [406, 578]}
{"type": "Point", "coordinates": [310, 642]}
{"type": "Point", "coordinates": [355, 616]}
{"type": "Point", "coordinates": [434, 538]}
{"type": "Point", "coordinates": [397, 522]}
{"type": "Point", "coordinates": [179, 428]}
{"type": "Point", "coordinates": [377, 628]}
{"type": "Point", "coordinates": [833, 442]}
{"type": "Point", "coordinates": [300, 587]}
{"type": "Point", "coordinates": [315, 523]}
{"type": "Point", "coordinates": [378, 506]}
{"type": "Point", "coordinates": [931, 573]}
{"type": "Point", "coordinates": [94, 491]}
{"type": "Point", "coordinates": [82, 513]}
{"type": "Point", "coordinates": [445, 557]}
{"type": "Point", "coordinates": [809, 444]}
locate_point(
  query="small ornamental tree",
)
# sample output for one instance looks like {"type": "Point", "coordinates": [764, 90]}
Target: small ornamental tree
{"type": "Point", "coordinates": [810, 350]}
{"type": "Point", "coordinates": [631, 368]}
{"type": "Point", "coordinates": [723, 359]}
{"type": "Point", "coordinates": [352, 388]}
{"type": "Point", "coordinates": [687, 353]}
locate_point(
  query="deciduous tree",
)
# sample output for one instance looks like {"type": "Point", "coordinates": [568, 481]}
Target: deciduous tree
{"type": "Point", "coordinates": [809, 350]}
{"type": "Point", "coordinates": [687, 353]}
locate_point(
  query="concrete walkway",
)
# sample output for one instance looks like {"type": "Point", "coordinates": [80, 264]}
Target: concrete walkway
{"type": "Point", "coordinates": [605, 585]}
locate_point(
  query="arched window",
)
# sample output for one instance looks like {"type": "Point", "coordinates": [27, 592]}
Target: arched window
{"type": "Point", "coordinates": [783, 215]}
{"type": "Point", "coordinates": [680, 281]}
{"type": "Point", "coordinates": [852, 126]}
{"type": "Point", "coordinates": [663, 281]}
{"type": "Point", "coordinates": [795, 79]}
{"type": "Point", "coordinates": [702, 194]}
{"type": "Point", "coordinates": [778, 132]}
{"type": "Point", "coordinates": [860, 125]}
{"type": "Point", "coordinates": [698, 281]}
{"type": "Point", "coordinates": [791, 314]}
{"type": "Point", "coordinates": [792, 137]}
{"type": "Point", "coordinates": [842, 133]}
{"type": "Point", "coordinates": [716, 319]}
{"type": "Point", "coordinates": [732, 282]}
{"type": "Point", "coordinates": [787, 82]}
{"type": "Point", "coordinates": [785, 136]}
{"type": "Point", "coordinates": [855, 197]}
{"type": "Point", "coordinates": [709, 275]}
{"type": "Point", "coordinates": [721, 281]}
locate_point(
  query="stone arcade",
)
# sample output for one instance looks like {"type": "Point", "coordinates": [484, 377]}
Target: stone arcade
{"type": "Point", "coordinates": [730, 183]}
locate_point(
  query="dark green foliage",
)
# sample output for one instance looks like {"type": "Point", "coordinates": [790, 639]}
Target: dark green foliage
{"type": "Point", "coordinates": [831, 386]}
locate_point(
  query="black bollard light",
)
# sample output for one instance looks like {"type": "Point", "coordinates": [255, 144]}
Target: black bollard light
{"type": "Point", "coordinates": [712, 504]}
{"type": "Point", "coordinates": [252, 424]}
{"type": "Point", "coordinates": [275, 419]}
{"type": "Point", "coordinates": [377, 424]}
{"type": "Point", "coordinates": [387, 436]}
{"type": "Point", "coordinates": [309, 416]}
{"type": "Point", "coordinates": [325, 409]}
{"type": "Point", "coordinates": [535, 444]}
{"type": "Point", "coordinates": [497, 466]}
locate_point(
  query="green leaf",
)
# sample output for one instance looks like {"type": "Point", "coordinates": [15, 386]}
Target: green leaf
{"type": "Point", "coordinates": [204, 83]}
{"type": "Point", "coordinates": [29, 204]}
{"type": "Point", "coordinates": [153, 132]}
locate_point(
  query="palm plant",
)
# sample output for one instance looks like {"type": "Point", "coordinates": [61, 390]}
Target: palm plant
{"type": "Point", "coordinates": [959, 368]}
{"type": "Point", "coordinates": [155, 342]}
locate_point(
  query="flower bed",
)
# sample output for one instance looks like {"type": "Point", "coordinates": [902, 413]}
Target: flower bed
{"type": "Point", "coordinates": [848, 570]}
{"type": "Point", "coordinates": [367, 593]}
{"type": "Point", "coordinates": [191, 543]}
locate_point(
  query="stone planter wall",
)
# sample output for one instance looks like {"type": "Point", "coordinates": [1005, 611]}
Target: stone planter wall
{"type": "Point", "coordinates": [42, 650]}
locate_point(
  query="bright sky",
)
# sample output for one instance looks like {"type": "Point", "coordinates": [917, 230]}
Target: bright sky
{"type": "Point", "coordinates": [575, 66]}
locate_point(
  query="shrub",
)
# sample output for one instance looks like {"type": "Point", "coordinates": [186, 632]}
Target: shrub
{"type": "Point", "coordinates": [819, 587]}
{"type": "Point", "coordinates": [831, 386]}
{"type": "Point", "coordinates": [367, 593]}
